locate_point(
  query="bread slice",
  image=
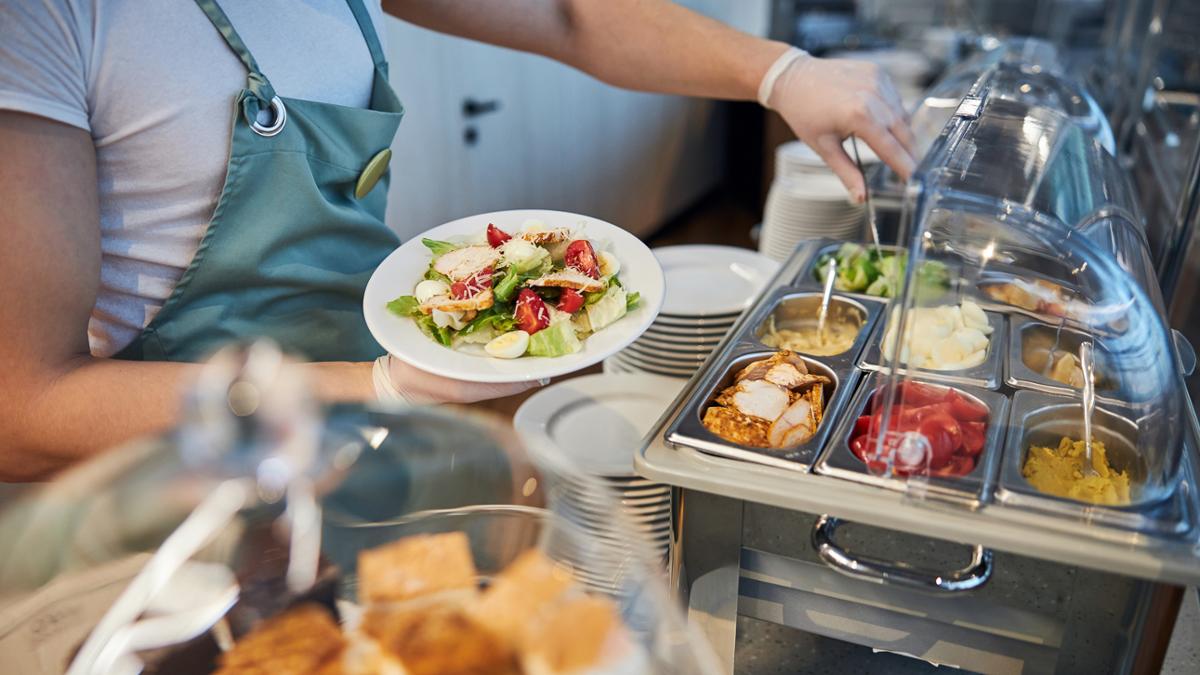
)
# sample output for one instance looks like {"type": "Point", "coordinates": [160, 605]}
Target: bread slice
{"type": "Point", "coordinates": [416, 566]}
{"type": "Point", "coordinates": [299, 641]}
{"type": "Point", "coordinates": [441, 639]}
{"type": "Point", "coordinates": [574, 636]}
{"type": "Point", "coordinates": [529, 585]}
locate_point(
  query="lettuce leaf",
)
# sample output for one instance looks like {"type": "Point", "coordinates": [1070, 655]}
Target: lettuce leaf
{"type": "Point", "coordinates": [558, 339]}
{"type": "Point", "coordinates": [632, 300]}
{"type": "Point", "coordinates": [442, 334]}
{"type": "Point", "coordinates": [439, 247]}
{"type": "Point", "coordinates": [496, 317]}
{"type": "Point", "coordinates": [405, 305]}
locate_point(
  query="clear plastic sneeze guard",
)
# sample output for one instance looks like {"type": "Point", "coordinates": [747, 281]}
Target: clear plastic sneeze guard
{"type": "Point", "coordinates": [351, 537]}
{"type": "Point", "coordinates": [1033, 221]}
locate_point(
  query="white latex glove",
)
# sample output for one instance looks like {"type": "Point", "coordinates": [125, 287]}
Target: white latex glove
{"type": "Point", "coordinates": [827, 100]}
{"type": "Point", "coordinates": [396, 380]}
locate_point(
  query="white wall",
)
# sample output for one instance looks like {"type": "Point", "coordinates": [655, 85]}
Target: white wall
{"type": "Point", "coordinates": [560, 140]}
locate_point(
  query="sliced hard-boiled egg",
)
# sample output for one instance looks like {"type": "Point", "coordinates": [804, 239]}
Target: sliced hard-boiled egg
{"type": "Point", "coordinates": [973, 317]}
{"type": "Point", "coordinates": [430, 288]}
{"type": "Point", "coordinates": [534, 225]}
{"type": "Point", "coordinates": [455, 320]}
{"type": "Point", "coordinates": [609, 265]}
{"type": "Point", "coordinates": [510, 345]}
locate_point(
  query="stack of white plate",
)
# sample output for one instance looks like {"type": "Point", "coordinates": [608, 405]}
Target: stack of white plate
{"type": "Point", "coordinates": [807, 201]}
{"type": "Point", "coordinates": [597, 422]}
{"type": "Point", "coordinates": [707, 288]}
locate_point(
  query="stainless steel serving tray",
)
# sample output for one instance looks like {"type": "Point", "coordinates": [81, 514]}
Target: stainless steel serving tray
{"type": "Point", "coordinates": [1044, 419]}
{"type": "Point", "coordinates": [973, 489]}
{"type": "Point", "coordinates": [1000, 524]}
{"type": "Point", "coordinates": [987, 375]}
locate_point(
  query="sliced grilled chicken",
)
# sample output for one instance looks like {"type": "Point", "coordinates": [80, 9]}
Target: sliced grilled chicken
{"type": "Point", "coordinates": [445, 303]}
{"type": "Point", "coordinates": [757, 398]}
{"type": "Point", "coordinates": [545, 237]}
{"type": "Point", "coordinates": [569, 278]}
{"type": "Point", "coordinates": [735, 427]}
{"type": "Point", "coordinates": [796, 425]}
{"type": "Point", "coordinates": [758, 369]}
{"type": "Point", "coordinates": [463, 263]}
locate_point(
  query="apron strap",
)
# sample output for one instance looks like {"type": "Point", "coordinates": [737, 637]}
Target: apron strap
{"type": "Point", "coordinates": [368, 30]}
{"type": "Point", "coordinates": [256, 83]}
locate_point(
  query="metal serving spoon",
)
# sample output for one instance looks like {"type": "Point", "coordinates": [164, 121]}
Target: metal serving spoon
{"type": "Point", "coordinates": [823, 313]}
{"type": "Point", "coordinates": [1089, 404]}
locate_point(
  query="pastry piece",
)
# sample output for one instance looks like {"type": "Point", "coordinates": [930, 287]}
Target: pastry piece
{"type": "Point", "coordinates": [574, 636]}
{"type": "Point", "coordinates": [298, 642]}
{"type": "Point", "coordinates": [529, 585]}
{"type": "Point", "coordinates": [416, 566]}
{"type": "Point", "coordinates": [441, 639]}
{"type": "Point", "coordinates": [735, 427]}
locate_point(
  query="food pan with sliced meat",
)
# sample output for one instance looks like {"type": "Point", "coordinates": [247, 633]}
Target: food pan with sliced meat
{"type": "Point", "coordinates": [774, 402]}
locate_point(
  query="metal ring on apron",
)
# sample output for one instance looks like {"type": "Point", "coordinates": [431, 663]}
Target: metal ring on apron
{"type": "Point", "coordinates": [277, 124]}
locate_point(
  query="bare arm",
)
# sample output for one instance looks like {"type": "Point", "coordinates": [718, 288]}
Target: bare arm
{"type": "Point", "coordinates": [57, 403]}
{"type": "Point", "coordinates": [657, 45]}
{"type": "Point", "coordinates": [650, 45]}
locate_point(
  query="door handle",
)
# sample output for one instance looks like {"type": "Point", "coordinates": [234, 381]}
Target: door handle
{"type": "Point", "coordinates": [975, 574]}
{"type": "Point", "coordinates": [474, 108]}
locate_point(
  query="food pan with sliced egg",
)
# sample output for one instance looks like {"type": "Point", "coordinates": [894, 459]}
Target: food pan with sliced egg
{"type": "Point", "coordinates": [952, 342]}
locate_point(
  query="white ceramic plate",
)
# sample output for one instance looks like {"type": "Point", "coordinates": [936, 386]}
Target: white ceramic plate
{"type": "Point", "coordinates": [704, 281]}
{"type": "Point", "coordinates": [637, 362]}
{"type": "Point", "coordinates": [598, 421]}
{"type": "Point", "coordinates": [399, 273]}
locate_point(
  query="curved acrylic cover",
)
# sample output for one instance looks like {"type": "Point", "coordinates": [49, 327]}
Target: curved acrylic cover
{"type": "Point", "coordinates": [1019, 211]}
{"type": "Point", "coordinates": [1020, 69]}
{"type": "Point", "coordinates": [207, 540]}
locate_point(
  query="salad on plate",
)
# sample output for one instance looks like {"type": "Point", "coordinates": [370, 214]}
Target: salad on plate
{"type": "Point", "coordinates": [538, 292]}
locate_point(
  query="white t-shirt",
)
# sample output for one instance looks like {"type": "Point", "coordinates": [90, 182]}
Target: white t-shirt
{"type": "Point", "coordinates": [154, 83]}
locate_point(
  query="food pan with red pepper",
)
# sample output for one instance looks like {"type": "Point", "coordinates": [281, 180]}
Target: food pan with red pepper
{"type": "Point", "coordinates": [769, 407]}
{"type": "Point", "coordinates": [947, 437]}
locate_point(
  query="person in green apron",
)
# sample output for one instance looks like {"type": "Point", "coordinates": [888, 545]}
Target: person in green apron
{"type": "Point", "coordinates": [102, 323]}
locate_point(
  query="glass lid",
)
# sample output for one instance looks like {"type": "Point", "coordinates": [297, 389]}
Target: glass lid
{"type": "Point", "coordinates": [1027, 350]}
{"type": "Point", "coordinates": [268, 535]}
{"type": "Point", "coordinates": [1027, 70]}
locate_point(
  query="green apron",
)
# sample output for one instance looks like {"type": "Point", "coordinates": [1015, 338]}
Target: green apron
{"type": "Point", "coordinates": [298, 229]}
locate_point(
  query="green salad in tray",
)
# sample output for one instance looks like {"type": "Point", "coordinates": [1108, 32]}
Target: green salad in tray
{"type": "Point", "coordinates": [540, 292]}
{"type": "Point", "coordinates": [862, 269]}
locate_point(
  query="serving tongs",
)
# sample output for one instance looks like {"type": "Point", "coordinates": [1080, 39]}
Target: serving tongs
{"type": "Point", "coordinates": [867, 195]}
{"type": "Point", "coordinates": [1089, 405]}
{"type": "Point", "coordinates": [823, 313]}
